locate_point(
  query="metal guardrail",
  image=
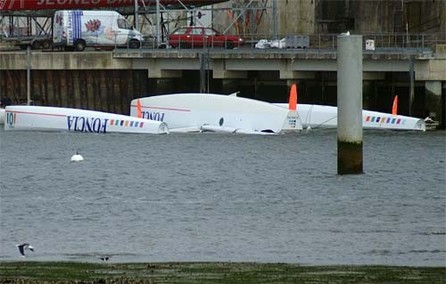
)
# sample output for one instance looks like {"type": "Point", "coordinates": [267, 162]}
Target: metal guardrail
{"type": "Point", "coordinates": [329, 41]}
{"type": "Point", "coordinates": [383, 43]}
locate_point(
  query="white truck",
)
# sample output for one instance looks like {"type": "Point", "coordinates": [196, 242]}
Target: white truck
{"type": "Point", "coordinates": [77, 29]}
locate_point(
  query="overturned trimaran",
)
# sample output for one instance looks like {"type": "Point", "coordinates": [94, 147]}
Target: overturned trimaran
{"type": "Point", "coordinates": [41, 118]}
{"type": "Point", "coordinates": [197, 112]}
{"type": "Point", "coordinates": [191, 112]}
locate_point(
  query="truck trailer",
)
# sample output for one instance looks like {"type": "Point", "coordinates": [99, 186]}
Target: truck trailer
{"type": "Point", "coordinates": [77, 29]}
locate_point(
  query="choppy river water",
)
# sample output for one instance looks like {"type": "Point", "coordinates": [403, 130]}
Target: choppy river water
{"type": "Point", "coordinates": [222, 197]}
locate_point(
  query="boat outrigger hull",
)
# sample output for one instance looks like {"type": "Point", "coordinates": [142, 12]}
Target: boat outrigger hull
{"type": "Point", "coordinates": [321, 116]}
{"type": "Point", "coordinates": [40, 118]}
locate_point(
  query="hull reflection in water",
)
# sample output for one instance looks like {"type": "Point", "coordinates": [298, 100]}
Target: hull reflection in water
{"type": "Point", "coordinates": [39, 118]}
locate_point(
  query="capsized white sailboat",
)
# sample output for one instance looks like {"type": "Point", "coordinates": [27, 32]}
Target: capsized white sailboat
{"type": "Point", "coordinates": [320, 116]}
{"type": "Point", "coordinates": [192, 112]}
{"type": "Point", "coordinates": [42, 118]}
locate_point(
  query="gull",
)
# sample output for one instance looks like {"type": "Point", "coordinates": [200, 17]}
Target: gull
{"type": "Point", "coordinates": [77, 157]}
{"type": "Point", "coordinates": [23, 247]}
{"type": "Point", "coordinates": [346, 33]}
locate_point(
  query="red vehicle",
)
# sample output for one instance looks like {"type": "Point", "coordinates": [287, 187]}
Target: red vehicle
{"type": "Point", "coordinates": [190, 37]}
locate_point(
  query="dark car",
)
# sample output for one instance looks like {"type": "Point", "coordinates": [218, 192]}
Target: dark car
{"type": "Point", "coordinates": [191, 37]}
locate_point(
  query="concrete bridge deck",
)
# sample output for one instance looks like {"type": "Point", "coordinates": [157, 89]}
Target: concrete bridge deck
{"type": "Point", "coordinates": [231, 64]}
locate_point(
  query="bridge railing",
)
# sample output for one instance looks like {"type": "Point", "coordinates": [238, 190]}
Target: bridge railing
{"type": "Point", "coordinates": [381, 42]}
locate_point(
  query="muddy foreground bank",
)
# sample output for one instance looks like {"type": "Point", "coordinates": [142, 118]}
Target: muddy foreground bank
{"type": "Point", "coordinates": [212, 272]}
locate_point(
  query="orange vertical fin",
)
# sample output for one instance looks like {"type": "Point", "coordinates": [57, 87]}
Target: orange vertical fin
{"type": "Point", "coordinates": [292, 103]}
{"type": "Point", "coordinates": [395, 105]}
{"type": "Point", "coordinates": [138, 109]}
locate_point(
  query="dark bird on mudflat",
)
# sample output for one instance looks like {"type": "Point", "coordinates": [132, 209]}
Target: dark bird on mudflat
{"type": "Point", "coordinates": [23, 247]}
{"type": "Point", "coordinates": [104, 258]}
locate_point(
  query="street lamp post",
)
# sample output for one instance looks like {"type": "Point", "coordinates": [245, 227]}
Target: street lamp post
{"type": "Point", "coordinates": [158, 22]}
{"type": "Point", "coordinates": [136, 15]}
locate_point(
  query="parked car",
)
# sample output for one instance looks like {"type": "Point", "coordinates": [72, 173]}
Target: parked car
{"type": "Point", "coordinates": [191, 37]}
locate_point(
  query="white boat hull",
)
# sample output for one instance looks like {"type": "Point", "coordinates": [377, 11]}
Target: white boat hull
{"type": "Point", "coordinates": [217, 113]}
{"type": "Point", "coordinates": [320, 116]}
{"type": "Point", "coordinates": [39, 118]}
{"type": "Point", "coordinates": [2, 116]}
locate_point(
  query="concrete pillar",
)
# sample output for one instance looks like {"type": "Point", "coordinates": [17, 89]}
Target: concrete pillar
{"type": "Point", "coordinates": [28, 76]}
{"type": "Point", "coordinates": [412, 83]}
{"type": "Point", "coordinates": [203, 70]}
{"type": "Point", "coordinates": [349, 96]}
{"type": "Point", "coordinates": [433, 100]}
{"type": "Point", "coordinates": [163, 86]}
{"type": "Point", "coordinates": [229, 86]}
{"type": "Point", "coordinates": [291, 82]}
{"type": "Point", "coordinates": [368, 94]}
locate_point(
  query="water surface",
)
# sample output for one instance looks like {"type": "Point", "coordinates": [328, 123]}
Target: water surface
{"type": "Point", "coordinates": [224, 197]}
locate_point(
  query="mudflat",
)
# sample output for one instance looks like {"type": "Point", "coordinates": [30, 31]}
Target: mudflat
{"type": "Point", "coordinates": [213, 272]}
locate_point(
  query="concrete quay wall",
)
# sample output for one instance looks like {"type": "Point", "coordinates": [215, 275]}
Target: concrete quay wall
{"type": "Point", "coordinates": [225, 64]}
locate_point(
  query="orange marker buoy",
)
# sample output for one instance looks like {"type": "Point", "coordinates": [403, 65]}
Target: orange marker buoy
{"type": "Point", "coordinates": [395, 106]}
{"type": "Point", "coordinates": [292, 103]}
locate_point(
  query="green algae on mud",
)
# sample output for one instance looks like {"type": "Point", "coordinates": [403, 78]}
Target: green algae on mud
{"type": "Point", "coordinates": [211, 272]}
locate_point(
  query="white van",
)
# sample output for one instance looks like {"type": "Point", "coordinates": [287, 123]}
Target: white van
{"type": "Point", "coordinates": [76, 29]}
